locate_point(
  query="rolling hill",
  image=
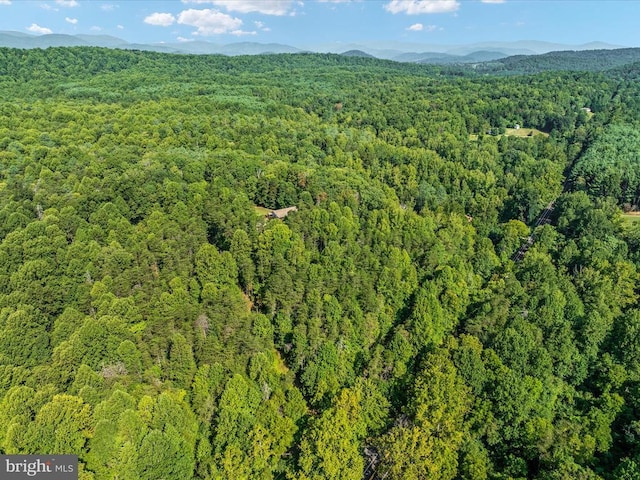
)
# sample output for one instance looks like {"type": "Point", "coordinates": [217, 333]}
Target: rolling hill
{"type": "Point", "coordinates": [587, 60]}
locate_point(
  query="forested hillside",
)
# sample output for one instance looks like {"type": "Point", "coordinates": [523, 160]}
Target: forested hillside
{"type": "Point", "coordinates": [610, 166]}
{"type": "Point", "coordinates": [570, 60]}
{"type": "Point", "coordinates": [156, 323]}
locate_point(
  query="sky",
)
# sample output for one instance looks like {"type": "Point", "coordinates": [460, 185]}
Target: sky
{"type": "Point", "coordinates": [311, 23]}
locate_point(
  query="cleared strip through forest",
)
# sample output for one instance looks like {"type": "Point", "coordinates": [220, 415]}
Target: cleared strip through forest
{"type": "Point", "coordinates": [545, 217]}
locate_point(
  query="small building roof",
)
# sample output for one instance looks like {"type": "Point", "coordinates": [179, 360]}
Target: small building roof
{"type": "Point", "coordinates": [282, 212]}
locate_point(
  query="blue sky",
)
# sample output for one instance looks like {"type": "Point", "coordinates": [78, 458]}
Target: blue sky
{"type": "Point", "coordinates": [305, 23]}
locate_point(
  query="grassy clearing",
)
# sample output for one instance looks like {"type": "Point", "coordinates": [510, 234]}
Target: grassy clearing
{"type": "Point", "coordinates": [512, 132]}
{"type": "Point", "coordinates": [261, 211]}
{"type": "Point", "coordinates": [524, 132]}
{"type": "Point", "coordinates": [631, 217]}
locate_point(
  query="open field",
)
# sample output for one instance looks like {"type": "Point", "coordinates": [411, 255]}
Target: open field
{"type": "Point", "coordinates": [513, 132]}
{"type": "Point", "coordinates": [261, 211]}
{"type": "Point", "coordinates": [524, 132]}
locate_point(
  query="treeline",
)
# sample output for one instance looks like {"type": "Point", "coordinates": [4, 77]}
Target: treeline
{"type": "Point", "coordinates": [153, 322]}
{"type": "Point", "coordinates": [610, 166]}
{"type": "Point", "coordinates": [583, 61]}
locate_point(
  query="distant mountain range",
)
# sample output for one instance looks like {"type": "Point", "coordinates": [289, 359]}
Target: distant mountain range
{"type": "Point", "coordinates": [22, 40]}
{"type": "Point", "coordinates": [401, 52]}
{"type": "Point", "coordinates": [398, 50]}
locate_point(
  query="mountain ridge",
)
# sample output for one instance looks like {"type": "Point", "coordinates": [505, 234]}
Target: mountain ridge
{"type": "Point", "coordinates": [567, 60]}
{"type": "Point", "coordinates": [398, 51]}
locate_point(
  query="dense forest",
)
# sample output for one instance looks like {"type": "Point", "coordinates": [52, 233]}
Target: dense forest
{"type": "Point", "coordinates": [155, 322]}
{"type": "Point", "coordinates": [583, 60]}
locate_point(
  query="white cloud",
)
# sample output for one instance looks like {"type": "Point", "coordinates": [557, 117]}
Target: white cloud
{"type": "Point", "coordinates": [419, 27]}
{"type": "Point", "coordinates": [421, 7]}
{"type": "Point", "coordinates": [72, 21]}
{"type": "Point", "coordinates": [120, 27]}
{"type": "Point", "coordinates": [46, 6]}
{"type": "Point", "coordinates": [67, 3]}
{"type": "Point", "coordinates": [35, 28]}
{"type": "Point", "coordinates": [242, 32]}
{"type": "Point", "coordinates": [267, 7]}
{"type": "Point", "coordinates": [182, 39]}
{"type": "Point", "coordinates": [108, 7]}
{"type": "Point", "coordinates": [5, 2]}
{"type": "Point", "coordinates": [209, 22]}
{"type": "Point", "coordinates": [493, 1]}
{"type": "Point", "coordinates": [262, 26]}
{"type": "Point", "coordinates": [160, 19]}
